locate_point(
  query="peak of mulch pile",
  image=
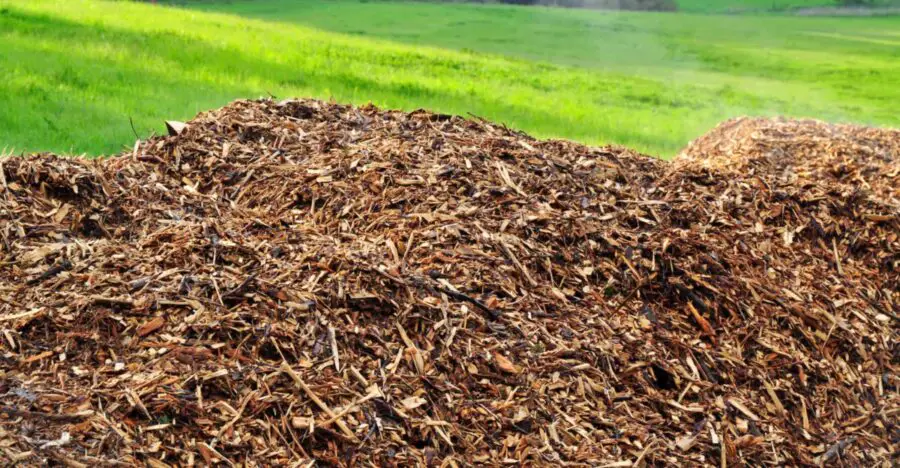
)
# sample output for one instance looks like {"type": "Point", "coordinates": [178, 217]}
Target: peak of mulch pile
{"type": "Point", "coordinates": [303, 282]}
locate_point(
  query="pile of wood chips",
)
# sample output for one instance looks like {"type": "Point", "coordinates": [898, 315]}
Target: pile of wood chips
{"type": "Point", "coordinates": [307, 283]}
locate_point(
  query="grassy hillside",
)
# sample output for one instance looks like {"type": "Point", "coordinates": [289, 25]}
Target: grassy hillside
{"type": "Point", "coordinates": [745, 6]}
{"type": "Point", "coordinates": [73, 73]}
{"type": "Point", "coordinates": [688, 6]}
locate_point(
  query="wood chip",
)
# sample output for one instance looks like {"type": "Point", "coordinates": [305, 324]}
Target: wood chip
{"type": "Point", "coordinates": [151, 326]}
{"type": "Point", "coordinates": [505, 364]}
{"type": "Point", "coordinates": [300, 282]}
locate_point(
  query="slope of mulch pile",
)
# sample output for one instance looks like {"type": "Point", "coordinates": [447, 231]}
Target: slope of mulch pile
{"type": "Point", "coordinates": [301, 281]}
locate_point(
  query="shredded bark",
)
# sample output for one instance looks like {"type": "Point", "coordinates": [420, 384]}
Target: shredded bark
{"type": "Point", "coordinates": [303, 282]}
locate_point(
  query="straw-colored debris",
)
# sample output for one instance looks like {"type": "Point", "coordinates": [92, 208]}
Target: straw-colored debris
{"type": "Point", "coordinates": [299, 282]}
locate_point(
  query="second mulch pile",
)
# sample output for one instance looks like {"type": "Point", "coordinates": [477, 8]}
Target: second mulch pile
{"type": "Point", "coordinates": [298, 281]}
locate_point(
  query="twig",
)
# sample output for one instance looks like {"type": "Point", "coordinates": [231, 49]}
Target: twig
{"type": "Point", "coordinates": [836, 449]}
{"type": "Point", "coordinates": [237, 417]}
{"type": "Point", "coordinates": [102, 300]}
{"type": "Point", "coordinates": [334, 349]}
{"type": "Point", "coordinates": [216, 453]}
{"type": "Point", "coordinates": [30, 313]}
{"type": "Point", "coordinates": [438, 287]}
{"type": "Point", "coordinates": [52, 271]}
{"type": "Point", "coordinates": [132, 395]}
{"type": "Point", "coordinates": [42, 415]}
{"type": "Point", "coordinates": [463, 297]}
{"type": "Point", "coordinates": [359, 377]}
{"type": "Point", "coordinates": [517, 264]}
{"type": "Point", "coordinates": [644, 453]}
{"type": "Point", "coordinates": [373, 394]}
{"type": "Point", "coordinates": [315, 398]}
{"type": "Point", "coordinates": [837, 258]}
{"type": "Point", "coordinates": [241, 288]}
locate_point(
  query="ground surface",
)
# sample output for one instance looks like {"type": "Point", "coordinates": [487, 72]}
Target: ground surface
{"type": "Point", "coordinates": [649, 81]}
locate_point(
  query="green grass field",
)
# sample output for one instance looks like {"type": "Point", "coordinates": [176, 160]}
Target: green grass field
{"type": "Point", "coordinates": [755, 6]}
{"type": "Point", "coordinates": [74, 73]}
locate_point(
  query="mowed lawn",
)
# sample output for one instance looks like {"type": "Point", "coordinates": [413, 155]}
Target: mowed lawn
{"type": "Point", "coordinates": [75, 74]}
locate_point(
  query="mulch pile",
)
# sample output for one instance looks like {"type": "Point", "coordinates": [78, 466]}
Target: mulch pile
{"type": "Point", "coordinates": [307, 283]}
